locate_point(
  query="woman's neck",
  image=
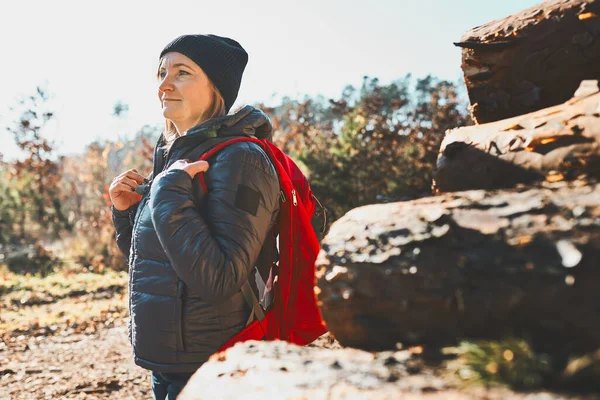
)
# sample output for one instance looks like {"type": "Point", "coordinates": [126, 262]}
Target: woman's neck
{"type": "Point", "coordinates": [183, 126]}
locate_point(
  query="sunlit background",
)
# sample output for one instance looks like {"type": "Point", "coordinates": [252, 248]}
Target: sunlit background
{"type": "Point", "coordinates": [91, 55]}
{"type": "Point", "coordinates": [361, 96]}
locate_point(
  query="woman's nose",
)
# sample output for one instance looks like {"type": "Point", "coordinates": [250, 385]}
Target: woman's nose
{"type": "Point", "coordinates": [165, 85]}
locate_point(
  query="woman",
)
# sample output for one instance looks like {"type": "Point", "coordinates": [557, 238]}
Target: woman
{"type": "Point", "coordinates": [190, 252]}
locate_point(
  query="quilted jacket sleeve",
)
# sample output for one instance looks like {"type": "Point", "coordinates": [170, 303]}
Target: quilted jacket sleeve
{"type": "Point", "coordinates": [213, 253]}
{"type": "Point", "coordinates": [123, 222]}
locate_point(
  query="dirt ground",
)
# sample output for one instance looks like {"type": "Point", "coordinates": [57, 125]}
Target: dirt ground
{"type": "Point", "coordinates": [65, 337]}
{"type": "Point", "coordinates": [72, 366]}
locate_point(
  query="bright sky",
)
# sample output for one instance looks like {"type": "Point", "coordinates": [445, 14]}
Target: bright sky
{"type": "Point", "coordinates": [92, 54]}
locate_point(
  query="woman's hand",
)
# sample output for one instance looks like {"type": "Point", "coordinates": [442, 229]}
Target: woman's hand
{"type": "Point", "coordinates": [122, 189]}
{"type": "Point", "coordinates": [191, 168]}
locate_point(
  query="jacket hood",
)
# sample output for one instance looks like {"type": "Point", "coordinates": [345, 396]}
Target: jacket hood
{"type": "Point", "coordinates": [249, 121]}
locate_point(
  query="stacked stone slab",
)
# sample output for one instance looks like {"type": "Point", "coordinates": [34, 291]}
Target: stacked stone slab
{"type": "Point", "coordinates": [556, 143]}
{"type": "Point", "coordinates": [509, 244]}
{"type": "Point", "coordinates": [473, 264]}
{"type": "Point", "coordinates": [531, 60]}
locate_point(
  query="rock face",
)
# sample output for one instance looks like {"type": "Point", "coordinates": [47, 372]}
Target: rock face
{"type": "Point", "coordinates": [532, 59]}
{"type": "Point", "coordinates": [279, 370]}
{"type": "Point", "coordinates": [469, 264]}
{"type": "Point", "coordinates": [561, 142]}
{"type": "Point", "coordinates": [479, 264]}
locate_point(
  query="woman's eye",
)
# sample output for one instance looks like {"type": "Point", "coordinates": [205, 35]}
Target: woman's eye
{"type": "Point", "coordinates": [163, 73]}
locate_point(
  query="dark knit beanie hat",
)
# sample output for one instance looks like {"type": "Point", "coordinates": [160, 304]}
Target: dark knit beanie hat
{"type": "Point", "coordinates": [222, 59]}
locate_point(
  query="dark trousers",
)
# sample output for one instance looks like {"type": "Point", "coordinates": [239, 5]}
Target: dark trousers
{"type": "Point", "coordinates": [167, 386]}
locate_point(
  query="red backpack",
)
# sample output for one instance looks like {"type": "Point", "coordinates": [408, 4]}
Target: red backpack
{"type": "Point", "coordinates": [288, 309]}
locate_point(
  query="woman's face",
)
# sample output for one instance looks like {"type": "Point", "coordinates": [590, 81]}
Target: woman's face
{"type": "Point", "coordinates": [184, 90]}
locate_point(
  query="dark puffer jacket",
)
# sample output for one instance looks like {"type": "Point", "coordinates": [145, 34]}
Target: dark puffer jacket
{"type": "Point", "coordinates": [190, 252]}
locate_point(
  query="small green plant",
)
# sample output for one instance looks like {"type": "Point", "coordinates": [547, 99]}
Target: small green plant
{"type": "Point", "coordinates": [509, 362]}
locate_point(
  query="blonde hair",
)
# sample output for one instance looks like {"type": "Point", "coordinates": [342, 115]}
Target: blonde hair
{"type": "Point", "coordinates": [216, 109]}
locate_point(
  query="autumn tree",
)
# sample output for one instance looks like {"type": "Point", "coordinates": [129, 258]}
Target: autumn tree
{"type": "Point", "coordinates": [37, 210]}
{"type": "Point", "coordinates": [86, 181]}
{"type": "Point", "coordinates": [375, 143]}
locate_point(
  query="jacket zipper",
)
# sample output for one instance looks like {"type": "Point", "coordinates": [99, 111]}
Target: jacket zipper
{"type": "Point", "coordinates": [175, 142]}
{"type": "Point", "coordinates": [132, 256]}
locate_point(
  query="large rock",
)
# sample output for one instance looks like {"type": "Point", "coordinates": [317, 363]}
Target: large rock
{"type": "Point", "coordinates": [532, 59]}
{"type": "Point", "coordinates": [468, 264]}
{"type": "Point", "coordinates": [561, 142]}
{"type": "Point", "coordinates": [279, 370]}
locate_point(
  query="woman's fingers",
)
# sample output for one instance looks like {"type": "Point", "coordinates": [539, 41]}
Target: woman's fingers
{"type": "Point", "coordinates": [121, 187]}
{"type": "Point", "coordinates": [192, 168]}
{"type": "Point", "coordinates": [179, 164]}
{"type": "Point", "coordinates": [196, 167]}
{"type": "Point", "coordinates": [199, 166]}
{"type": "Point", "coordinates": [136, 177]}
{"type": "Point", "coordinates": [133, 183]}
{"type": "Point", "coordinates": [132, 174]}
{"type": "Point", "coordinates": [202, 165]}
{"type": "Point", "coordinates": [130, 182]}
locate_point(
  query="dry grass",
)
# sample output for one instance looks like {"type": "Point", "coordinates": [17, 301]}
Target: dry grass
{"type": "Point", "coordinates": [35, 305]}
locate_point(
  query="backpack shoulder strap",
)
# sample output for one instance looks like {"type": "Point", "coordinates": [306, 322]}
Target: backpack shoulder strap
{"type": "Point", "coordinates": [253, 302]}
{"type": "Point", "coordinates": [218, 148]}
